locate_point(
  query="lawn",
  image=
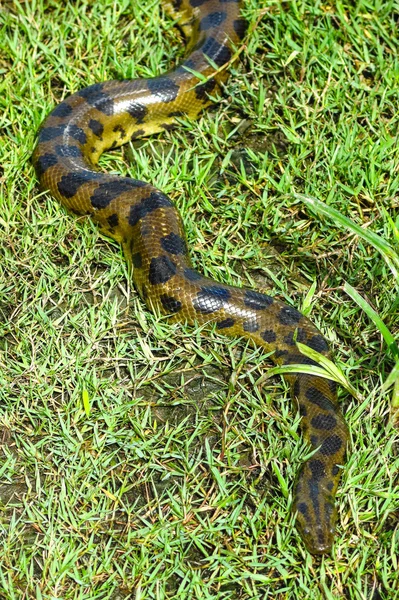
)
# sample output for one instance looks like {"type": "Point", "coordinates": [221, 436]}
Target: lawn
{"type": "Point", "coordinates": [145, 460]}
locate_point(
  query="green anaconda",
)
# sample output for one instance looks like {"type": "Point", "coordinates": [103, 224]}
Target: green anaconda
{"type": "Point", "coordinates": [147, 224]}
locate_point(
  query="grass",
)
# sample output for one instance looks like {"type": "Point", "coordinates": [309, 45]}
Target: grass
{"type": "Point", "coordinates": [143, 460]}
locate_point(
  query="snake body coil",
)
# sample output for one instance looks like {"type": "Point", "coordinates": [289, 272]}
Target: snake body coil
{"type": "Point", "coordinates": [148, 226]}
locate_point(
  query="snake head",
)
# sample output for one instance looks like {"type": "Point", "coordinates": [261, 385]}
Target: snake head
{"type": "Point", "coordinates": [317, 538]}
{"type": "Point", "coordinates": [315, 522]}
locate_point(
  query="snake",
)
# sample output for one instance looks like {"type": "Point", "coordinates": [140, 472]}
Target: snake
{"type": "Point", "coordinates": [147, 224]}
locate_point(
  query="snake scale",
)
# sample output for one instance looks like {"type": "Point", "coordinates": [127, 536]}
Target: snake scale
{"type": "Point", "coordinates": [147, 224]}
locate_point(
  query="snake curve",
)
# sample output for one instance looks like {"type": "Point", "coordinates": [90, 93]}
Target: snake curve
{"type": "Point", "coordinates": [146, 223]}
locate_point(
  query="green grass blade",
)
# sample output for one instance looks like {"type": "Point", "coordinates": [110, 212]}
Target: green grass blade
{"type": "Point", "coordinates": [327, 369]}
{"type": "Point", "coordinates": [86, 401]}
{"type": "Point", "coordinates": [392, 379]}
{"type": "Point", "coordinates": [395, 395]}
{"type": "Point", "coordinates": [378, 322]}
{"type": "Point", "coordinates": [389, 254]}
